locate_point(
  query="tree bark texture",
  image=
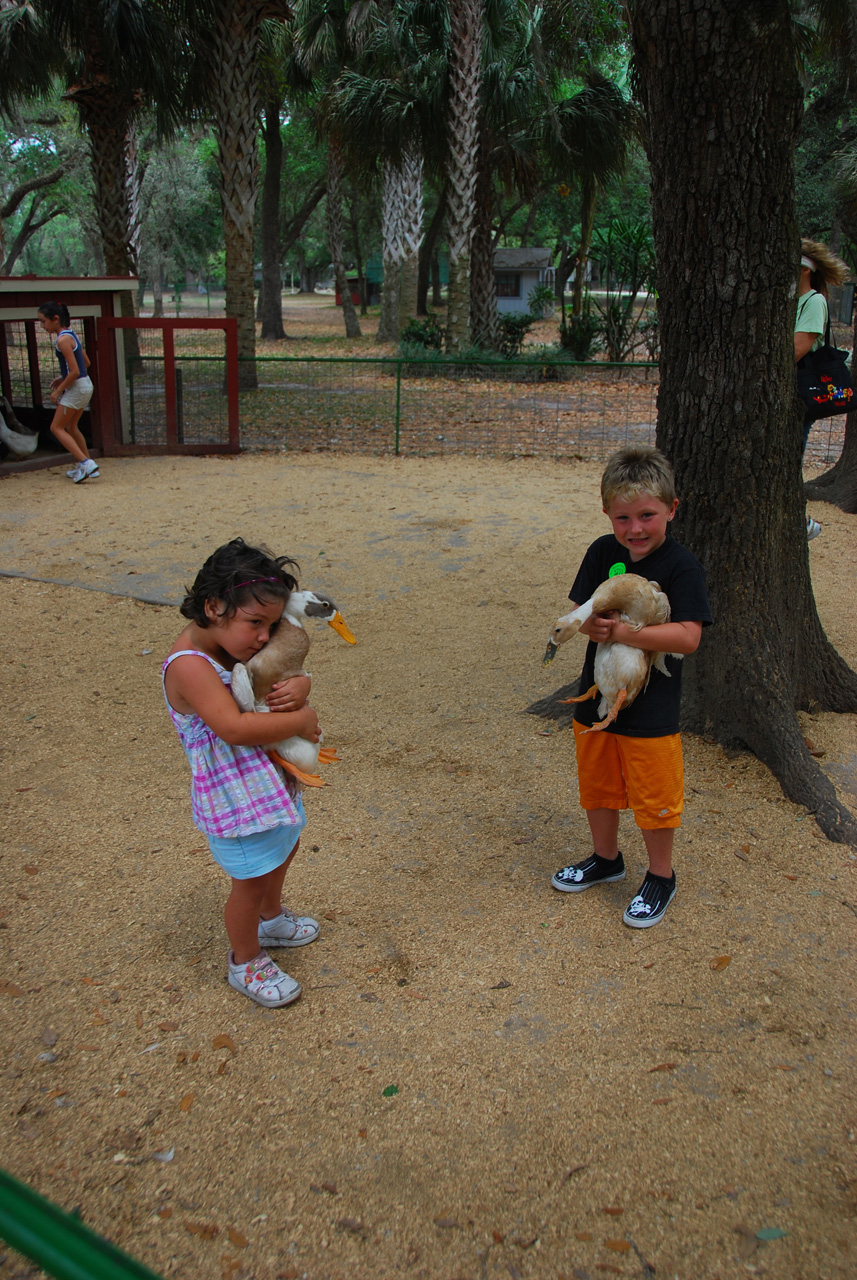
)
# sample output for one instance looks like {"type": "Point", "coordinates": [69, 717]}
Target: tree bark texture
{"type": "Point", "coordinates": [466, 20]}
{"type": "Point", "coordinates": [484, 320]}
{"type": "Point", "coordinates": [354, 216]}
{"type": "Point", "coordinates": [235, 117]}
{"type": "Point", "coordinates": [412, 234]}
{"type": "Point", "coordinates": [589, 192]}
{"type": "Point", "coordinates": [107, 117]}
{"type": "Point", "coordinates": [839, 485]}
{"type": "Point", "coordinates": [336, 239]}
{"type": "Point", "coordinates": [720, 88]}
{"type": "Point", "coordinates": [427, 255]}
{"type": "Point", "coordinates": [391, 251]}
{"type": "Point", "coordinates": [270, 305]}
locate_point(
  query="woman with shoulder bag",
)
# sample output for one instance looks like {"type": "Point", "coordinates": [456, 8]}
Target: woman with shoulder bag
{"type": "Point", "coordinates": [819, 269]}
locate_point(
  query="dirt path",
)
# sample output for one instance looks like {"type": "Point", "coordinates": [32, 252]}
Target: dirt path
{"type": "Point", "coordinates": [483, 1078]}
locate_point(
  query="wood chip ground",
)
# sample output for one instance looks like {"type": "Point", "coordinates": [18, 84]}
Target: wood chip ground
{"type": "Point", "coordinates": [483, 1077]}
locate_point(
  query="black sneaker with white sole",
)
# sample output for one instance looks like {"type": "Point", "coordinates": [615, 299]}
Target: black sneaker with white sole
{"type": "Point", "coordinates": [656, 894]}
{"type": "Point", "coordinates": [583, 875]}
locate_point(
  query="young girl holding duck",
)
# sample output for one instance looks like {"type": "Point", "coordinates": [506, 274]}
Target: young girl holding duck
{"type": "Point", "coordinates": [251, 814]}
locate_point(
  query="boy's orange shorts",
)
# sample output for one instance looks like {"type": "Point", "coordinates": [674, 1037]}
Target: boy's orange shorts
{"type": "Point", "coordinates": [643, 774]}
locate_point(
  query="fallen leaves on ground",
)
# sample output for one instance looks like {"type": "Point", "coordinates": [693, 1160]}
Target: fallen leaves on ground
{"type": "Point", "coordinates": [206, 1230]}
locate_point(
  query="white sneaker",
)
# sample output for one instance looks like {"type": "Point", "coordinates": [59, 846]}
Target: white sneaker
{"type": "Point", "coordinates": [288, 930]}
{"type": "Point", "coordinates": [74, 474]}
{"type": "Point", "coordinates": [263, 981]}
{"type": "Point", "coordinates": [813, 528]}
{"type": "Point", "coordinates": [87, 470]}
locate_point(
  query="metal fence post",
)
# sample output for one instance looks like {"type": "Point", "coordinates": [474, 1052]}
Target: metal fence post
{"type": "Point", "coordinates": [398, 404]}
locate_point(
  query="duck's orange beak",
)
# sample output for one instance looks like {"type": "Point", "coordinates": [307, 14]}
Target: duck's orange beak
{"type": "Point", "coordinates": [338, 624]}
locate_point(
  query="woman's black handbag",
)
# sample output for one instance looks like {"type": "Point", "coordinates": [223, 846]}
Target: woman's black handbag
{"type": "Point", "coordinates": [824, 381]}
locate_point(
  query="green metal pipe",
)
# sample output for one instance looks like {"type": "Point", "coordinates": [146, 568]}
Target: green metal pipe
{"type": "Point", "coordinates": [57, 1242]}
{"type": "Point", "coordinates": [398, 403]}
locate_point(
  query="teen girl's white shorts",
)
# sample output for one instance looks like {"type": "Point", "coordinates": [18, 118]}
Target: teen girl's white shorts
{"type": "Point", "coordinates": [78, 395]}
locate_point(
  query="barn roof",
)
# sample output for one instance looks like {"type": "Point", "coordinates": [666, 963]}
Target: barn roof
{"type": "Point", "coordinates": [521, 259]}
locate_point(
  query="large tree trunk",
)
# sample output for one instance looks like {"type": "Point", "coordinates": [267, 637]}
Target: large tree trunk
{"type": "Point", "coordinates": [113, 162]}
{"type": "Point", "coordinates": [107, 114]}
{"type": "Point", "coordinates": [727, 245]}
{"type": "Point", "coordinates": [466, 21]}
{"type": "Point", "coordinates": [484, 319]}
{"type": "Point", "coordinates": [391, 251]}
{"type": "Point", "coordinates": [235, 114]}
{"type": "Point", "coordinates": [587, 218]}
{"type": "Point", "coordinates": [839, 484]}
{"type": "Point", "coordinates": [427, 256]}
{"type": "Point", "coordinates": [412, 235]}
{"type": "Point", "coordinates": [270, 306]}
{"type": "Point", "coordinates": [336, 240]}
{"type": "Point", "coordinates": [354, 218]}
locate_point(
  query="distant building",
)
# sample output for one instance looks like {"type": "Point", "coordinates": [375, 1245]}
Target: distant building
{"type": "Point", "coordinates": [516, 274]}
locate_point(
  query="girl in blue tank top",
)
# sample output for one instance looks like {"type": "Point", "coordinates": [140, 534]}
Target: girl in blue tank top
{"type": "Point", "coordinates": [72, 391]}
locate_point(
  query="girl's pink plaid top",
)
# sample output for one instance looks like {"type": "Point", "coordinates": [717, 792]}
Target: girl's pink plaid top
{"type": "Point", "coordinates": [234, 790]}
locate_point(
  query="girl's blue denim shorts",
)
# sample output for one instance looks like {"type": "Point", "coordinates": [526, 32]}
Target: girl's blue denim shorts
{"type": "Point", "coordinates": [245, 857]}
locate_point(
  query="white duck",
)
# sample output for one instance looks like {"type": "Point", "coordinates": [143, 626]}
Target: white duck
{"type": "Point", "coordinates": [621, 671]}
{"type": "Point", "coordinates": [283, 656]}
{"type": "Point", "coordinates": [20, 443]}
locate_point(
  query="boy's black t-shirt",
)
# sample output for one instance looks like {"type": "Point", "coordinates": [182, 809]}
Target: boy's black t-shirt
{"type": "Point", "coordinates": [654, 713]}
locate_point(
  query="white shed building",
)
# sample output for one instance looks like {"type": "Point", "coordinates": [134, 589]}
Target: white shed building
{"type": "Point", "coordinates": [516, 274]}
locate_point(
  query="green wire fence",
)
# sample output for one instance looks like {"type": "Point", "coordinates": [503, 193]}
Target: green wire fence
{"type": "Point", "coordinates": [531, 406]}
{"type": "Point", "coordinates": [58, 1242]}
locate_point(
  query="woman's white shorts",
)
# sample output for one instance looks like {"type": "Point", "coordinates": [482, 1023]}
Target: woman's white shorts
{"type": "Point", "coordinates": [78, 395]}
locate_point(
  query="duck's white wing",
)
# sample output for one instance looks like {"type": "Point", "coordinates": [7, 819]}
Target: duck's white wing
{"type": "Point", "coordinates": [242, 688]}
{"type": "Point", "coordinates": [18, 444]}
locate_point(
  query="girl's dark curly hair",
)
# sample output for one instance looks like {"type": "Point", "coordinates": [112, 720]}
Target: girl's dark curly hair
{"type": "Point", "coordinates": [234, 575]}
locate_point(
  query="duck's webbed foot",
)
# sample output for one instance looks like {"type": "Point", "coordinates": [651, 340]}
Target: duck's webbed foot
{"type": "Point", "coordinates": [327, 754]}
{"type": "Point", "coordinates": [611, 715]}
{"type": "Point", "coordinates": [308, 779]}
{"type": "Point", "coordinates": [583, 697]}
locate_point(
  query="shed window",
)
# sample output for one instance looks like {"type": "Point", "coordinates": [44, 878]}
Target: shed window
{"type": "Point", "coordinates": [508, 284]}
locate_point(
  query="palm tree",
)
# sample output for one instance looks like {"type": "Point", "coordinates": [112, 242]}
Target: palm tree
{"type": "Point", "coordinates": [588, 134]}
{"type": "Point", "coordinates": [387, 107]}
{"type": "Point", "coordinates": [112, 58]}
{"type": "Point", "coordinates": [336, 237]}
{"type": "Point", "coordinates": [466, 23]}
{"type": "Point", "coordinates": [512, 97]}
{"type": "Point", "coordinates": [327, 33]}
{"type": "Point", "coordinates": [391, 251]}
{"type": "Point", "coordinates": [233, 86]}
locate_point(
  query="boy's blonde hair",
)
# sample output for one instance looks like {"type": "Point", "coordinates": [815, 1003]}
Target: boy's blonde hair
{"type": "Point", "coordinates": [638, 469]}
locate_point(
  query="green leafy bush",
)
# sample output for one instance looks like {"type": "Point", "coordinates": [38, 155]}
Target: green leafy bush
{"type": "Point", "coordinates": [541, 300]}
{"type": "Point", "coordinates": [581, 336]}
{"type": "Point", "coordinates": [514, 327]}
{"type": "Point", "coordinates": [428, 334]}
{"type": "Point", "coordinates": [626, 252]}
